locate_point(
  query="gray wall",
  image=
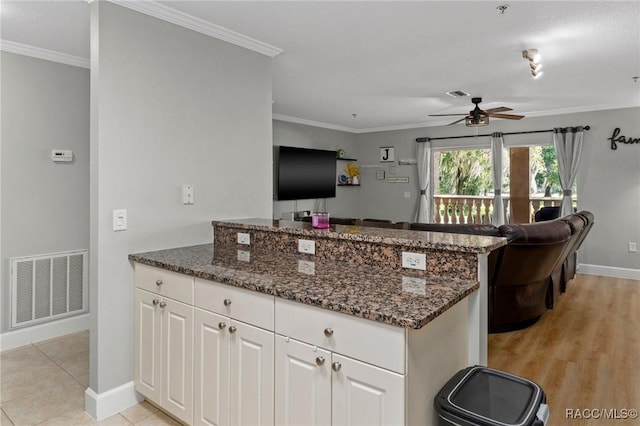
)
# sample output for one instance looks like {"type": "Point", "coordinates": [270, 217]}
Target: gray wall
{"type": "Point", "coordinates": [169, 106]}
{"type": "Point", "coordinates": [347, 199]}
{"type": "Point", "coordinates": [45, 205]}
{"type": "Point", "coordinates": [608, 181]}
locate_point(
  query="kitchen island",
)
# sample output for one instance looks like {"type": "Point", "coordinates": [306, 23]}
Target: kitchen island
{"type": "Point", "coordinates": [260, 333]}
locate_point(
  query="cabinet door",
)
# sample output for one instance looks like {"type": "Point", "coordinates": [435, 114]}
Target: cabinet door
{"type": "Point", "coordinates": [251, 372]}
{"type": "Point", "coordinates": [363, 394]}
{"type": "Point", "coordinates": [148, 328]}
{"type": "Point", "coordinates": [177, 359]}
{"type": "Point", "coordinates": [211, 369]}
{"type": "Point", "coordinates": [302, 384]}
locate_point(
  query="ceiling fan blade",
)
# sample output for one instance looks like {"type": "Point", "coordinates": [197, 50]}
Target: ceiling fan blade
{"type": "Point", "coordinates": [507, 116]}
{"type": "Point", "coordinates": [498, 109]}
{"type": "Point", "coordinates": [457, 121]}
{"type": "Point", "coordinates": [444, 115]}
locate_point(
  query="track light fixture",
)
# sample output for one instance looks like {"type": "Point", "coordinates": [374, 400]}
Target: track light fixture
{"type": "Point", "coordinates": [533, 57]}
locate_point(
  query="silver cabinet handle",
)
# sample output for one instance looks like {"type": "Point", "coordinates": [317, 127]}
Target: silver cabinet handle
{"type": "Point", "coordinates": [155, 302]}
{"type": "Point", "coordinates": [336, 366]}
{"type": "Point", "coordinates": [232, 329]}
{"type": "Point", "coordinates": [320, 360]}
{"type": "Point", "coordinates": [328, 332]}
{"type": "Point", "coordinates": [159, 282]}
{"type": "Point", "coordinates": [163, 304]}
{"type": "Point", "coordinates": [227, 302]}
{"type": "Point", "coordinates": [222, 325]}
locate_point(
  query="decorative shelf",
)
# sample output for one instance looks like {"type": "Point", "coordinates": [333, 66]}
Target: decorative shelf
{"type": "Point", "coordinates": [348, 184]}
{"type": "Point", "coordinates": [347, 159]}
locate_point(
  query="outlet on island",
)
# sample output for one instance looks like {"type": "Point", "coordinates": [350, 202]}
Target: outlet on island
{"type": "Point", "coordinates": [414, 260]}
{"type": "Point", "coordinates": [307, 246]}
{"type": "Point", "coordinates": [244, 238]}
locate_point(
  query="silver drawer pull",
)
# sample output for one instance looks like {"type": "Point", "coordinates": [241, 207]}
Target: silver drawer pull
{"type": "Point", "coordinates": [155, 302]}
{"type": "Point", "coordinates": [232, 329]}
{"type": "Point", "coordinates": [222, 325]}
{"type": "Point", "coordinates": [320, 360]}
{"type": "Point", "coordinates": [336, 366]}
{"type": "Point", "coordinates": [159, 282]}
{"type": "Point", "coordinates": [328, 332]}
{"type": "Point", "coordinates": [163, 304]}
{"type": "Point", "coordinates": [227, 302]}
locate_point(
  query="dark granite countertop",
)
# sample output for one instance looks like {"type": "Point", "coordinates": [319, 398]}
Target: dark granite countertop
{"type": "Point", "coordinates": [388, 296]}
{"type": "Point", "coordinates": [408, 238]}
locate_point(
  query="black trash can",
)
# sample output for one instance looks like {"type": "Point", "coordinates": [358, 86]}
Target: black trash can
{"type": "Point", "coordinates": [481, 396]}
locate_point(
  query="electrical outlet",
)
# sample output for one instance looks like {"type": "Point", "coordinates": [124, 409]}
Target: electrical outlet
{"type": "Point", "coordinates": [306, 267]}
{"type": "Point", "coordinates": [244, 238]}
{"type": "Point", "coordinates": [414, 260]}
{"type": "Point", "coordinates": [187, 194]}
{"type": "Point", "coordinates": [633, 247]}
{"type": "Point", "coordinates": [307, 246]}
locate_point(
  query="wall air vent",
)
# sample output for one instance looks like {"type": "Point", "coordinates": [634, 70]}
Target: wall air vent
{"type": "Point", "coordinates": [48, 287]}
{"type": "Point", "coordinates": [457, 94]}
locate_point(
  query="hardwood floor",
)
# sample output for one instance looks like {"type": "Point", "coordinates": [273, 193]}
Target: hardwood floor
{"type": "Point", "coordinates": [585, 353]}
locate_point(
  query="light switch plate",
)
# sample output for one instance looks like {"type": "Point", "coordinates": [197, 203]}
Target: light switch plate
{"type": "Point", "coordinates": [120, 220]}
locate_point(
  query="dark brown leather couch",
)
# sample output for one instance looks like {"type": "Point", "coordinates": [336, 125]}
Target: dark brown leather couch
{"type": "Point", "coordinates": [521, 287]}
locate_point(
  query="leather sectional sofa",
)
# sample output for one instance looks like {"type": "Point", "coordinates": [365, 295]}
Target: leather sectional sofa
{"type": "Point", "coordinates": [527, 276]}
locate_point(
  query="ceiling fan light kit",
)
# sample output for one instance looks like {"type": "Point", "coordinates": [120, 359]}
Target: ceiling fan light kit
{"type": "Point", "coordinates": [478, 117]}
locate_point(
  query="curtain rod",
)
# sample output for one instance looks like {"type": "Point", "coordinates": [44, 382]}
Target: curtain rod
{"type": "Point", "coordinates": [587, 127]}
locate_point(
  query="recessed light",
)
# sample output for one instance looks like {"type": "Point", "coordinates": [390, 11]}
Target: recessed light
{"type": "Point", "coordinates": [457, 94]}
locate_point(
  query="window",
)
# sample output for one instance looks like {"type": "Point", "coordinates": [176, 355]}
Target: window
{"type": "Point", "coordinates": [463, 192]}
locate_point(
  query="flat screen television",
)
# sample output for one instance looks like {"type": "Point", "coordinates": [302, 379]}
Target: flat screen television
{"type": "Point", "coordinates": [302, 173]}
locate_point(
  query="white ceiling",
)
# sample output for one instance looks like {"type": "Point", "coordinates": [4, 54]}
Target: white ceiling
{"type": "Point", "coordinates": [392, 62]}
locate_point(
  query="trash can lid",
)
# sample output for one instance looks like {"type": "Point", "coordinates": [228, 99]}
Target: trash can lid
{"type": "Point", "coordinates": [486, 396]}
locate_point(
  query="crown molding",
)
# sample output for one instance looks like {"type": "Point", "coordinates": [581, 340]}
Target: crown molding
{"type": "Point", "coordinates": [46, 54]}
{"type": "Point", "coordinates": [313, 123]}
{"type": "Point", "coordinates": [168, 14]}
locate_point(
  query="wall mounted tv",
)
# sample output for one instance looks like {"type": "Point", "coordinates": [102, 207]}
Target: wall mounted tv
{"type": "Point", "coordinates": [302, 173]}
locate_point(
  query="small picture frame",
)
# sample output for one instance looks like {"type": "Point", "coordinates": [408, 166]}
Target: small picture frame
{"type": "Point", "coordinates": [387, 154]}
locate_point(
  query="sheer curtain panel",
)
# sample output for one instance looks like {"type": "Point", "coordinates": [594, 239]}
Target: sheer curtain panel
{"type": "Point", "coordinates": [497, 147]}
{"type": "Point", "coordinates": [568, 144]}
{"type": "Point", "coordinates": [423, 214]}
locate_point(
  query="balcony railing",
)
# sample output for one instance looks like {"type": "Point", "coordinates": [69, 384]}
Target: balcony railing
{"type": "Point", "coordinates": [479, 209]}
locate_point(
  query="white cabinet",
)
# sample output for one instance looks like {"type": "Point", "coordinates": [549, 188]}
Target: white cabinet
{"type": "Point", "coordinates": [234, 375]}
{"type": "Point", "coordinates": [211, 369]}
{"type": "Point", "coordinates": [163, 355]}
{"type": "Point", "coordinates": [316, 386]}
{"type": "Point", "coordinates": [208, 354]}
{"type": "Point", "coordinates": [363, 394]}
{"type": "Point", "coordinates": [303, 384]}
{"type": "Point", "coordinates": [251, 375]}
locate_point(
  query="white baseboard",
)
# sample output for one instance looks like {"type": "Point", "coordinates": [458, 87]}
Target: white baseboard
{"type": "Point", "coordinates": [609, 271]}
{"type": "Point", "coordinates": [106, 404]}
{"type": "Point", "coordinates": [38, 333]}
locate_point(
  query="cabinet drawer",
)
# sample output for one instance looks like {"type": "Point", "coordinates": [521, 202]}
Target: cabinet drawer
{"type": "Point", "coordinates": [237, 303]}
{"type": "Point", "coordinates": [369, 341]}
{"type": "Point", "coordinates": [165, 283]}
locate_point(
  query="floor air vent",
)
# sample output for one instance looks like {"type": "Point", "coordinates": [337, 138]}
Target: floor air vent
{"type": "Point", "coordinates": [48, 287]}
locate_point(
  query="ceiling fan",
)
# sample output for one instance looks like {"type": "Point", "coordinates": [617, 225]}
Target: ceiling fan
{"type": "Point", "coordinates": [478, 117]}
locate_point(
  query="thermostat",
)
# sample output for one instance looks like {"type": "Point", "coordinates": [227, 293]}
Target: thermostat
{"type": "Point", "coordinates": [62, 155]}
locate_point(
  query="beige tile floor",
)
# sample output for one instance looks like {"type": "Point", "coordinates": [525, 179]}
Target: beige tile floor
{"type": "Point", "coordinates": [44, 384]}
